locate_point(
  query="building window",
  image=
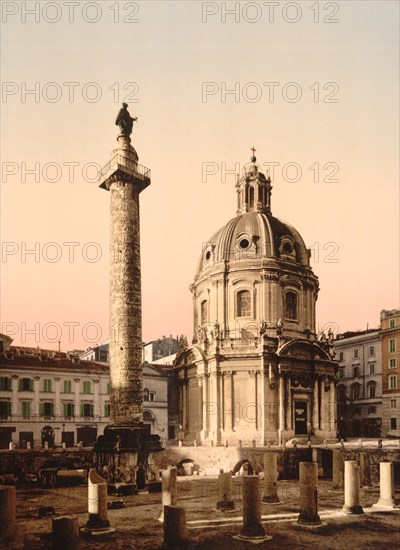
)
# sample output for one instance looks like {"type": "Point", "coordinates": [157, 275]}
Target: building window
{"type": "Point", "coordinates": [355, 391]}
{"type": "Point", "coordinates": [87, 410]}
{"type": "Point", "coordinates": [5, 409]}
{"type": "Point", "coordinates": [291, 305]}
{"type": "Point", "coordinates": [341, 356]}
{"type": "Point", "coordinates": [392, 345]}
{"type": "Point", "coordinates": [203, 312]}
{"type": "Point", "coordinates": [372, 409]}
{"type": "Point", "coordinates": [356, 371]}
{"type": "Point", "coordinates": [146, 395]}
{"type": "Point", "coordinates": [372, 368]}
{"type": "Point", "coordinates": [371, 351]}
{"type": "Point", "coordinates": [46, 409]}
{"type": "Point", "coordinates": [68, 410]}
{"type": "Point", "coordinates": [107, 409]}
{"type": "Point", "coordinates": [67, 386]}
{"type": "Point", "coordinates": [251, 196]}
{"type": "Point", "coordinates": [357, 410]}
{"type": "Point", "coordinates": [152, 396]}
{"type": "Point", "coordinates": [371, 388]}
{"type": "Point", "coordinates": [393, 424]}
{"type": "Point", "coordinates": [25, 384]}
{"type": "Point", "coordinates": [393, 403]}
{"type": "Point", "coordinates": [244, 303]}
{"type": "Point", "coordinates": [341, 373]}
{"type": "Point", "coordinates": [108, 389]}
{"type": "Point", "coordinates": [87, 387]}
{"type": "Point", "coordinates": [5, 383]}
{"type": "Point", "coordinates": [341, 392]}
{"type": "Point", "coordinates": [392, 323]}
{"type": "Point", "coordinates": [47, 385]}
{"type": "Point", "coordinates": [393, 382]}
{"type": "Point", "coordinates": [355, 353]}
{"type": "Point", "coordinates": [26, 409]}
{"type": "Point", "coordinates": [392, 363]}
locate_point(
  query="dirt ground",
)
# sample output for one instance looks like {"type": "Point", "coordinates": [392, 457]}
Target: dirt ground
{"type": "Point", "coordinates": [137, 526]}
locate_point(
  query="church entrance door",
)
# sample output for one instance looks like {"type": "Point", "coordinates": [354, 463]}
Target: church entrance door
{"type": "Point", "coordinates": [300, 418]}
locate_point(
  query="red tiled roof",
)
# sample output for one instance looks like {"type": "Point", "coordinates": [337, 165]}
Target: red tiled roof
{"type": "Point", "coordinates": [18, 356]}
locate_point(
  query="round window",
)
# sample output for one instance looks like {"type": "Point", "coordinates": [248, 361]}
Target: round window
{"type": "Point", "coordinates": [208, 255]}
{"type": "Point", "coordinates": [244, 243]}
{"type": "Point", "coordinates": [287, 248]}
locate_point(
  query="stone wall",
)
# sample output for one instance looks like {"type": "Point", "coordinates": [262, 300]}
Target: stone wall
{"type": "Point", "coordinates": [205, 459]}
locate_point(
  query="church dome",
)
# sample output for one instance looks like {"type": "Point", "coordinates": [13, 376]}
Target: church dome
{"type": "Point", "coordinates": [254, 235]}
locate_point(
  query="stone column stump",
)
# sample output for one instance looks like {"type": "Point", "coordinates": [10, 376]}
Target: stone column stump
{"type": "Point", "coordinates": [270, 495]}
{"type": "Point", "coordinates": [252, 529]}
{"type": "Point", "coordinates": [169, 489]}
{"type": "Point", "coordinates": [308, 481]}
{"type": "Point", "coordinates": [352, 488]}
{"type": "Point", "coordinates": [65, 530]}
{"type": "Point", "coordinates": [98, 523]}
{"type": "Point", "coordinates": [225, 492]}
{"type": "Point", "coordinates": [175, 529]}
{"type": "Point", "coordinates": [386, 485]}
{"type": "Point", "coordinates": [337, 470]}
{"type": "Point", "coordinates": [7, 511]}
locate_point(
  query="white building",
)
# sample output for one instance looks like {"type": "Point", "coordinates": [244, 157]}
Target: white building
{"type": "Point", "coordinates": [359, 390]}
{"type": "Point", "coordinates": [58, 397]}
{"type": "Point", "coordinates": [51, 396]}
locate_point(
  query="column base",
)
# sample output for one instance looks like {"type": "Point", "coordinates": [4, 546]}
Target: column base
{"type": "Point", "coordinates": [353, 510]}
{"type": "Point", "coordinates": [226, 505]}
{"type": "Point", "coordinates": [271, 499]}
{"type": "Point", "coordinates": [253, 540]}
{"type": "Point", "coordinates": [385, 503]}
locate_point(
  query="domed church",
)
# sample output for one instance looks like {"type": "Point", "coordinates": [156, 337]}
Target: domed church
{"type": "Point", "coordinates": [256, 369]}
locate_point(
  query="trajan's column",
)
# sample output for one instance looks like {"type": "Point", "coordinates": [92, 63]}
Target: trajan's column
{"type": "Point", "coordinates": [124, 178]}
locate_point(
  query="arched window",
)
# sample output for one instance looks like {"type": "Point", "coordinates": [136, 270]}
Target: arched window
{"type": "Point", "coordinates": [341, 392]}
{"type": "Point", "coordinates": [243, 308]}
{"type": "Point", "coordinates": [203, 312]}
{"type": "Point", "coordinates": [371, 389]}
{"type": "Point", "coordinates": [146, 394]}
{"type": "Point", "coordinates": [251, 196]}
{"type": "Point", "coordinates": [356, 391]}
{"type": "Point", "coordinates": [291, 305]}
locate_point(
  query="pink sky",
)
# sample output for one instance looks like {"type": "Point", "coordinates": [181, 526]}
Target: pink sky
{"type": "Point", "coordinates": [335, 108]}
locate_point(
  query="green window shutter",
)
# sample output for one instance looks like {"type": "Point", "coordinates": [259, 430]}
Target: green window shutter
{"type": "Point", "coordinates": [65, 409]}
{"type": "Point", "coordinates": [31, 385]}
{"type": "Point", "coordinates": [41, 409]}
{"type": "Point", "coordinates": [51, 409]}
{"type": "Point", "coordinates": [20, 382]}
{"type": "Point", "coordinates": [72, 409]}
{"type": "Point", "coordinates": [9, 408]}
{"type": "Point", "coordinates": [82, 410]}
{"type": "Point", "coordinates": [91, 410]}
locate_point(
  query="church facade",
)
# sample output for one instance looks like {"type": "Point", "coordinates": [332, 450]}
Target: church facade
{"type": "Point", "coordinates": [256, 370]}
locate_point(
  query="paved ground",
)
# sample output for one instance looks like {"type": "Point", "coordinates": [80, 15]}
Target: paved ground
{"type": "Point", "coordinates": [138, 528]}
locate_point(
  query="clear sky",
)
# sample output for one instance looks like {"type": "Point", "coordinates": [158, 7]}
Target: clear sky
{"type": "Point", "coordinates": [312, 85]}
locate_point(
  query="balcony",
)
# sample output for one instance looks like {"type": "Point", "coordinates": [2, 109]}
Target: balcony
{"type": "Point", "coordinates": [124, 165]}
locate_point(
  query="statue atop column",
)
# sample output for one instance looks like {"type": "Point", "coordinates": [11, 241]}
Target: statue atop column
{"type": "Point", "coordinates": [125, 121]}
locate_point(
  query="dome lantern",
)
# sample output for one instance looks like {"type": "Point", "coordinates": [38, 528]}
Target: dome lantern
{"type": "Point", "coordinates": [253, 189]}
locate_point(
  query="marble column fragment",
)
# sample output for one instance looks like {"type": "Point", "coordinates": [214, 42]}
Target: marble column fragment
{"type": "Point", "coordinates": [169, 489]}
{"type": "Point", "coordinates": [175, 527]}
{"type": "Point", "coordinates": [352, 488]}
{"type": "Point", "coordinates": [7, 511]}
{"type": "Point", "coordinates": [386, 484]}
{"type": "Point", "coordinates": [270, 478]}
{"type": "Point", "coordinates": [308, 481]}
{"type": "Point", "coordinates": [225, 492]}
{"type": "Point", "coordinates": [65, 531]}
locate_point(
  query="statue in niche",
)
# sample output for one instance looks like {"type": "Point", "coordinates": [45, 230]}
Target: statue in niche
{"type": "Point", "coordinates": [125, 121]}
